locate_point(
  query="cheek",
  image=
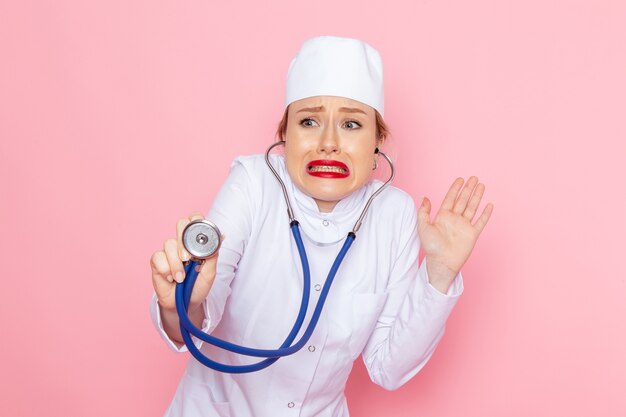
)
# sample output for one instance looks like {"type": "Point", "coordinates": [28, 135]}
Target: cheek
{"type": "Point", "coordinates": [293, 160]}
{"type": "Point", "coordinates": [297, 148]}
{"type": "Point", "coordinates": [291, 151]}
{"type": "Point", "coordinates": [364, 168]}
{"type": "Point", "coordinates": [363, 160]}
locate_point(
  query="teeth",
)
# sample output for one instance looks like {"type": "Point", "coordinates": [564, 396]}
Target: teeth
{"type": "Point", "coordinates": [323, 168]}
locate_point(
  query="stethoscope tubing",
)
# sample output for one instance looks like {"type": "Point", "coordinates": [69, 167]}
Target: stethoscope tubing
{"type": "Point", "coordinates": [244, 350]}
{"type": "Point", "coordinates": [184, 290]}
{"type": "Point", "coordinates": [272, 355]}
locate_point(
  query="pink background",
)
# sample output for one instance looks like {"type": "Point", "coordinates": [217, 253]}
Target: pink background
{"type": "Point", "coordinates": [118, 117]}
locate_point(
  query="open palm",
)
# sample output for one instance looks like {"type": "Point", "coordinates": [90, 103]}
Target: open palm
{"type": "Point", "coordinates": [448, 241]}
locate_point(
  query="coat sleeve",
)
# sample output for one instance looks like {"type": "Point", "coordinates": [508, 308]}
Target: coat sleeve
{"type": "Point", "coordinates": [232, 211]}
{"type": "Point", "coordinates": [413, 319]}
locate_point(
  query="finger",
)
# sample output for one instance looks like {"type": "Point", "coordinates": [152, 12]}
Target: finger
{"type": "Point", "coordinates": [196, 216]}
{"type": "Point", "coordinates": [176, 265]}
{"type": "Point", "coordinates": [466, 192]}
{"type": "Point", "coordinates": [484, 218]}
{"type": "Point", "coordinates": [474, 202]}
{"type": "Point", "coordinates": [180, 227]}
{"type": "Point", "coordinates": [448, 200]}
{"type": "Point", "coordinates": [160, 267]}
{"type": "Point", "coordinates": [423, 214]}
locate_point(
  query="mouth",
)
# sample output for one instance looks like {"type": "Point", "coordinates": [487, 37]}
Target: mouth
{"type": "Point", "coordinates": [327, 168]}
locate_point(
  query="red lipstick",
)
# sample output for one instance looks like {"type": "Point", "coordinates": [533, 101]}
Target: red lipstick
{"type": "Point", "coordinates": [327, 168]}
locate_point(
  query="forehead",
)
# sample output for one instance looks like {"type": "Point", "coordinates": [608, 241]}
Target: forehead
{"type": "Point", "coordinates": [331, 103]}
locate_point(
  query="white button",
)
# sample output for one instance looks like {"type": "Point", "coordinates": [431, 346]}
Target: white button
{"type": "Point", "coordinates": [311, 348]}
{"type": "Point", "coordinates": [291, 405]}
{"type": "Point", "coordinates": [325, 223]}
{"type": "Point", "coordinates": [318, 287]}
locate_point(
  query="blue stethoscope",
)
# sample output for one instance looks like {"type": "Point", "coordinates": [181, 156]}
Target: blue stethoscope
{"type": "Point", "coordinates": [202, 239]}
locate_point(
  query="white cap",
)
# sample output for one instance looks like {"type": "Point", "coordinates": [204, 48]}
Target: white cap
{"type": "Point", "coordinates": [332, 66]}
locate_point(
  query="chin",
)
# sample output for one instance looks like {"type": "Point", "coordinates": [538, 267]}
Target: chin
{"type": "Point", "coordinates": [329, 197]}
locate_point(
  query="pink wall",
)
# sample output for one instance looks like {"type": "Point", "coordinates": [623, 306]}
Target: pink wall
{"type": "Point", "coordinates": [119, 117]}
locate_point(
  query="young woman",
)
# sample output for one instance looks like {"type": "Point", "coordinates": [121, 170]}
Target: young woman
{"type": "Point", "coordinates": [382, 304]}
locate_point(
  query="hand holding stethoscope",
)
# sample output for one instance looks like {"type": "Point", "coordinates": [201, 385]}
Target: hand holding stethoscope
{"type": "Point", "coordinates": [168, 269]}
{"type": "Point", "coordinates": [448, 241]}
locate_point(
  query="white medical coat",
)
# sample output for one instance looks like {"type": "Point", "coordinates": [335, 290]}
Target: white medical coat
{"type": "Point", "coordinates": [381, 303]}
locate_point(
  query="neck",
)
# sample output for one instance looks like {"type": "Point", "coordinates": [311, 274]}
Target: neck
{"type": "Point", "coordinates": [325, 206]}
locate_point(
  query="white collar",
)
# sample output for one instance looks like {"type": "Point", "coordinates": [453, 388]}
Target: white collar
{"type": "Point", "coordinates": [323, 228]}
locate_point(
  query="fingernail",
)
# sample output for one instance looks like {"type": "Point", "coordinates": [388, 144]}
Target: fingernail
{"type": "Point", "coordinates": [184, 257]}
{"type": "Point", "coordinates": [179, 277]}
{"type": "Point", "coordinates": [169, 278]}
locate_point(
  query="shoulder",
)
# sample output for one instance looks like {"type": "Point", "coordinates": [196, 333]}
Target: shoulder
{"type": "Point", "coordinates": [257, 164]}
{"type": "Point", "coordinates": [251, 174]}
{"type": "Point", "coordinates": [253, 168]}
{"type": "Point", "coordinates": [392, 198]}
{"type": "Point", "coordinates": [393, 207]}
{"type": "Point", "coordinates": [249, 163]}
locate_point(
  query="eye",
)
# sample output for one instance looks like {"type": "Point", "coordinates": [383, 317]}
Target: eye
{"type": "Point", "coordinates": [308, 122]}
{"type": "Point", "coordinates": [351, 124]}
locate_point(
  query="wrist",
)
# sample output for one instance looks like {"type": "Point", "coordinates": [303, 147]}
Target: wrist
{"type": "Point", "coordinates": [171, 309]}
{"type": "Point", "coordinates": [439, 275]}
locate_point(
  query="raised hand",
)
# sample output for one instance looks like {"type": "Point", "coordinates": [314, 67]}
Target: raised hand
{"type": "Point", "coordinates": [448, 241]}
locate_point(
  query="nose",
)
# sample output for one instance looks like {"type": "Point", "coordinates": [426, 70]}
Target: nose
{"type": "Point", "coordinates": [329, 142]}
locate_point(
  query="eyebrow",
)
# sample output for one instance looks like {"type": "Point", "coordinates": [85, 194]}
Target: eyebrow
{"type": "Point", "coordinates": [320, 108]}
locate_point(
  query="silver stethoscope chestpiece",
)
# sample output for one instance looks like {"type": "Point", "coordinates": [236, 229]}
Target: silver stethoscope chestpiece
{"type": "Point", "coordinates": [201, 239]}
